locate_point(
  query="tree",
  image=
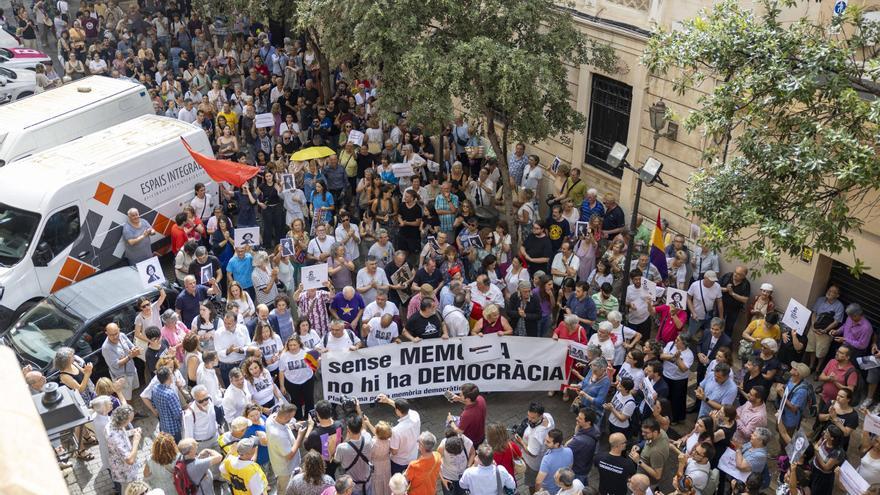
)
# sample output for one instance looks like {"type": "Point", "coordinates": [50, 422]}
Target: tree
{"type": "Point", "coordinates": [798, 110]}
{"type": "Point", "coordinates": [503, 61]}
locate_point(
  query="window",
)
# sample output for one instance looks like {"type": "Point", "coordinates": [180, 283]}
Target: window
{"type": "Point", "coordinates": [610, 103]}
{"type": "Point", "coordinates": [61, 229]}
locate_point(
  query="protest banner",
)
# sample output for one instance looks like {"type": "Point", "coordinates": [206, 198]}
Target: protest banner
{"type": "Point", "coordinates": [796, 316]}
{"type": "Point", "coordinates": [434, 366]}
{"type": "Point", "coordinates": [872, 424]}
{"type": "Point", "coordinates": [247, 236]}
{"type": "Point", "coordinates": [314, 276]}
{"type": "Point", "coordinates": [264, 120]}
{"type": "Point", "coordinates": [150, 271]}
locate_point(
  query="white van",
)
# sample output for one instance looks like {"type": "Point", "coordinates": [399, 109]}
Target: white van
{"type": "Point", "coordinates": [62, 210]}
{"type": "Point", "coordinates": [71, 111]}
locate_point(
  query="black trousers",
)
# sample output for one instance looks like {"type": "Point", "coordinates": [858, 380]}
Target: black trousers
{"type": "Point", "coordinates": [302, 395]}
{"type": "Point", "coordinates": [677, 399]}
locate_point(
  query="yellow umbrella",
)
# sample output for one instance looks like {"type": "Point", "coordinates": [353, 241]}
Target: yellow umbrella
{"type": "Point", "coordinates": [312, 153]}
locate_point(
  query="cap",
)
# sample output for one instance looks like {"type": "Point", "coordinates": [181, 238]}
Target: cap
{"type": "Point", "coordinates": [770, 344]}
{"type": "Point", "coordinates": [711, 275]}
{"type": "Point", "coordinates": [801, 368]}
{"type": "Point", "coordinates": [767, 287]}
{"type": "Point", "coordinates": [524, 284]}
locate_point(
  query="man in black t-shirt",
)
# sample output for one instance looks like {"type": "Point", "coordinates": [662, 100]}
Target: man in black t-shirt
{"type": "Point", "coordinates": [202, 259]}
{"type": "Point", "coordinates": [614, 468]}
{"type": "Point", "coordinates": [325, 436]}
{"type": "Point", "coordinates": [428, 274]}
{"type": "Point", "coordinates": [735, 292]}
{"type": "Point", "coordinates": [425, 324]}
{"type": "Point", "coordinates": [614, 221]}
{"type": "Point", "coordinates": [410, 238]}
{"type": "Point", "coordinates": [390, 269]}
{"type": "Point", "coordinates": [557, 228]}
{"type": "Point", "coordinates": [537, 249]}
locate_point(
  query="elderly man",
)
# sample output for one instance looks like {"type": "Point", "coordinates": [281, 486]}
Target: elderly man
{"type": "Point", "coordinates": [231, 341]}
{"type": "Point", "coordinates": [370, 280]}
{"type": "Point", "coordinates": [828, 314]}
{"type": "Point", "coordinates": [119, 352]}
{"type": "Point", "coordinates": [284, 444]}
{"type": "Point", "coordinates": [320, 246]}
{"type": "Point", "coordinates": [799, 392]}
{"type": "Point", "coordinates": [614, 220]}
{"type": "Point", "coordinates": [199, 463]}
{"type": "Point", "coordinates": [380, 330]}
{"type": "Point", "coordinates": [423, 472]}
{"type": "Point", "coordinates": [751, 457]}
{"type": "Point", "coordinates": [381, 306]}
{"type": "Point", "coordinates": [840, 373]}
{"type": "Point", "coordinates": [455, 316]}
{"type": "Point", "coordinates": [383, 251]}
{"type": "Point", "coordinates": [709, 345]}
{"type": "Point", "coordinates": [484, 293]}
{"type": "Point", "coordinates": [136, 234]}
{"type": "Point", "coordinates": [735, 292]}
{"type": "Point", "coordinates": [200, 419]}
{"type": "Point", "coordinates": [35, 381]}
{"type": "Point", "coordinates": [242, 470]}
{"type": "Point", "coordinates": [340, 338]}
{"type": "Point", "coordinates": [483, 477]}
{"type": "Point", "coordinates": [348, 306]}
{"type": "Point", "coordinates": [856, 331]}
{"type": "Point", "coordinates": [638, 484]}
{"type": "Point", "coordinates": [704, 301]}
{"type": "Point", "coordinates": [446, 205]}
{"type": "Point", "coordinates": [591, 206]}
{"type": "Point", "coordinates": [716, 391]}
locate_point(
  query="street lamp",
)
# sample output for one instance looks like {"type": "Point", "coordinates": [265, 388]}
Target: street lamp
{"type": "Point", "coordinates": [657, 112]}
{"type": "Point", "coordinates": [649, 174]}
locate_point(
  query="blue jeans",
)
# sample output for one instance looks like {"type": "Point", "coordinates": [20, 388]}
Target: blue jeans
{"type": "Point", "coordinates": [454, 488]}
{"type": "Point", "coordinates": [694, 325]}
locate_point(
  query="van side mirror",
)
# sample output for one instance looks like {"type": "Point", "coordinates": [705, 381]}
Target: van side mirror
{"type": "Point", "coordinates": [42, 255]}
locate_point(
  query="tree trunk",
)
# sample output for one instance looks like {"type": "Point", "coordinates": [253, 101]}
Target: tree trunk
{"type": "Point", "coordinates": [500, 149]}
{"type": "Point", "coordinates": [323, 68]}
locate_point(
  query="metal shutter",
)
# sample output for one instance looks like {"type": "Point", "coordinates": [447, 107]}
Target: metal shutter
{"type": "Point", "coordinates": [864, 290]}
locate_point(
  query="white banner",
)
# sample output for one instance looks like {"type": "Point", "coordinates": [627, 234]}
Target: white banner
{"type": "Point", "coordinates": [431, 367]}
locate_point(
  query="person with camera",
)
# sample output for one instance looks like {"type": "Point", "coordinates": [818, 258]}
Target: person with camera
{"type": "Point", "coordinates": [325, 436]}
{"type": "Point", "coordinates": [404, 435]}
{"type": "Point", "coordinates": [472, 422]}
{"type": "Point", "coordinates": [532, 440]}
{"type": "Point", "coordinates": [354, 454]}
{"type": "Point", "coordinates": [284, 443]}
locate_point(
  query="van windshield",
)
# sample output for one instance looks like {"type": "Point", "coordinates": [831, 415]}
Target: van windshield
{"type": "Point", "coordinates": [17, 228]}
{"type": "Point", "coordinates": [41, 331]}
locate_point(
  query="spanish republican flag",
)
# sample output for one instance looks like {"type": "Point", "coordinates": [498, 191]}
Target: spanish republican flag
{"type": "Point", "coordinates": [658, 249]}
{"type": "Point", "coordinates": [223, 170]}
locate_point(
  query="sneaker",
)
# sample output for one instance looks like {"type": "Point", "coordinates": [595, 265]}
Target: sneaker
{"type": "Point", "coordinates": [866, 403]}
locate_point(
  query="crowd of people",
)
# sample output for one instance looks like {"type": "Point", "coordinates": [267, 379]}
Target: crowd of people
{"type": "Point", "coordinates": [409, 227]}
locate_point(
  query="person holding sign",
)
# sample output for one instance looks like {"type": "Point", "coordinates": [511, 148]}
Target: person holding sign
{"type": "Point", "coordinates": [752, 456]}
{"type": "Point", "coordinates": [829, 454]}
{"type": "Point", "coordinates": [796, 395]}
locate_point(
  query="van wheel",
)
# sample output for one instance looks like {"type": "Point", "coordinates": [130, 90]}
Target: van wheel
{"type": "Point", "coordinates": [24, 308]}
{"type": "Point", "coordinates": [24, 95]}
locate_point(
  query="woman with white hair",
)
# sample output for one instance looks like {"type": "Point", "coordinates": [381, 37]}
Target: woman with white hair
{"type": "Point", "coordinates": [265, 279]}
{"type": "Point", "coordinates": [594, 388]}
{"type": "Point", "coordinates": [398, 484]}
{"type": "Point", "coordinates": [102, 406]}
{"type": "Point", "coordinates": [625, 338]}
{"type": "Point", "coordinates": [122, 447]}
{"type": "Point", "coordinates": [602, 338]}
{"type": "Point", "coordinates": [173, 331]}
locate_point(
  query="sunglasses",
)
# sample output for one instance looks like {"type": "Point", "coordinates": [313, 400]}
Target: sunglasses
{"type": "Point", "coordinates": [145, 306]}
{"type": "Point", "coordinates": [202, 401]}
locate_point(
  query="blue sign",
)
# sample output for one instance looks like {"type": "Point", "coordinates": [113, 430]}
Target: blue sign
{"type": "Point", "coordinates": [839, 6]}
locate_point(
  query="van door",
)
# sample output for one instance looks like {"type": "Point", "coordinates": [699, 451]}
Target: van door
{"type": "Point", "coordinates": [61, 229]}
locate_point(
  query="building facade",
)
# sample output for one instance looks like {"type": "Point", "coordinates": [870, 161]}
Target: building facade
{"type": "Point", "coordinates": [617, 109]}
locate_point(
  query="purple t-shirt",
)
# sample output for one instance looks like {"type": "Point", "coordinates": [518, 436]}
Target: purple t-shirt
{"type": "Point", "coordinates": [347, 310]}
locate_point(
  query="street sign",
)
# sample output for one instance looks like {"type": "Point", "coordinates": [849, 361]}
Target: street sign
{"type": "Point", "coordinates": [839, 7]}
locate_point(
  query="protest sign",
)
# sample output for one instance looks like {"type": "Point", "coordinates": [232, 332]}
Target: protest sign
{"type": "Point", "coordinates": [206, 274]}
{"type": "Point", "coordinates": [288, 181]}
{"type": "Point", "coordinates": [852, 481]}
{"type": "Point", "coordinates": [872, 424]}
{"type": "Point", "coordinates": [433, 366]}
{"type": "Point", "coordinates": [315, 276]}
{"type": "Point", "coordinates": [677, 297]}
{"type": "Point", "coordinates": [402, 276]}
{"type": "Point", "coordinates": [797, 446]}
{"type": "Point", "coordinates": [796, 316]}
{"type": "Point", "coordinates": [247, 236]}
{"type": "Point", "coordinates": [264, 120]}
{"type": "Point", "coordinates": [150, 271]}
{"type": "Point", "coordinates": [868, 362]}
{"type": "Point", "coordinates": [577, 351]}
{"type": "Point", "coordinates": [727, 464]}
{"type": "Point", "coordinates": [287, 248]}
{"type": "Point", "coordinates": [782, 406]}
{"type": "Point", "coordinates": [402, 170]}
{"type": "Point", "coordinates": [554, 165]}
{"type": "Point", "coordinates": [356, 137]}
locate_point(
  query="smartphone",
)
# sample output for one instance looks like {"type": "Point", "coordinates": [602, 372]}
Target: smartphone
{"type": "Point", "coordinates": [314, 415]}
{"type": "Point", "coordinates": [449, 396]}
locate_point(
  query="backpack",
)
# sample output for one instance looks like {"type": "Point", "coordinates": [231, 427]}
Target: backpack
{"type": "Point", "coordinates": [183, 484]}
{"type": "Point", "coordinates": [358, 456]}
{"type": "Point", "coordinates": [859, 390]}
{"type": "Point", "coordinates": [348, 331]}
{"type": "Point", "coordinates": [812, 406]}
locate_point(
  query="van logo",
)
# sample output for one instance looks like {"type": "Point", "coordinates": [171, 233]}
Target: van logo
{"type": "Point", "coordinates": [103, 193]}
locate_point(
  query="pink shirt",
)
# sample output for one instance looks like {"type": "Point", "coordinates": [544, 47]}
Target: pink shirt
{"type": "Point", "coordinates": [175, 336]}
{"type": "Point", "coordinates": [748, 417]}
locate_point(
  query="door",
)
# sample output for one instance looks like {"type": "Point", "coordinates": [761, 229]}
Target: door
{"type": "Point", "coordinates": [59, 232]}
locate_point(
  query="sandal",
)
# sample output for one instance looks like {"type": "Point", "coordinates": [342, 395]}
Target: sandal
{"type": "Point", "coordinates": [91, 440]}
{"type": "Point", "coordinates": [84, 455]}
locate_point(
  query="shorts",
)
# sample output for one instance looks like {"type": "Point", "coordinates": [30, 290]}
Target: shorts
{"type": "Point", "coordinates": [530, 478]}
{"type": "Point", "coordinates": [818, 343]}
{"type": "Point", "coordinates": [873, 376]}
{"type": "Point", "coordinates": [131, 384]}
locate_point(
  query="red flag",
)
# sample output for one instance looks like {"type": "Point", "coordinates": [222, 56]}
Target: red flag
{"type": "Point", "coordinates": [223, 170]}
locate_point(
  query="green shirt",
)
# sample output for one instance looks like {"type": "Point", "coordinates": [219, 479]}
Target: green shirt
{"type": "Point", "coordinates": [603, 308]}
{"type": "Point", "coordinates": [654, 454]}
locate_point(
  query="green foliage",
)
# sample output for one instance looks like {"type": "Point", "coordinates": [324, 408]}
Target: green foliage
{"type": "Point", "coordinates": [798, 105]}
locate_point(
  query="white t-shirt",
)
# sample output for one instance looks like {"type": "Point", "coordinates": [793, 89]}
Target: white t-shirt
{"type": "Point", "coordinates": [607, 347]}
{"type": "Point", "coordinates": [364, 279]}
{"type": "Point", "coordinates": [619, 350]}
{"type": "Point", "coordinates": [262, 389]}
{"type": "Point", "coordinates": [637, 375]}
{"type": "Point", "coordinates": [405, 438]}
{"type": "Point", "coordinates": [513, 279]}
{"type": "Point", "coordinates": [561, 265]}
{"type": "Point", "coordinates": [372, 310]}
{"type": "Point", "coordinates": [637, 297]}
{"type": "Point", "coordinates": [310, 340]}
{"type": "Point", "coordinates": [532, 177]}
{"type": "Point", "coordinates": [457, 324]}
{"type": "Point", "coordinates": [670, 369]}
{"type": "Point", "coordinates": [349, 338]}
{"type": "Point", "coordinates": [352, 246]}
{"type": "Point", "coordinates": [269, 348]}
{"type": "Point", "coordinates": [208, 378]}
{"type": "Point", "coordinates": [318, 247]}
{"type": "Point", "coordinates": [624, 404]}
{"type": "Point", "coordinates": [381, 335]}
{"type": "Point", "coordinates": [704, 297]}
{"type": "Point", "coordinates": [533, 437]}
{"type": "Point", "coordinates": [294, 367]}
{"type": "Point", "coordinates": [280, 439]}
